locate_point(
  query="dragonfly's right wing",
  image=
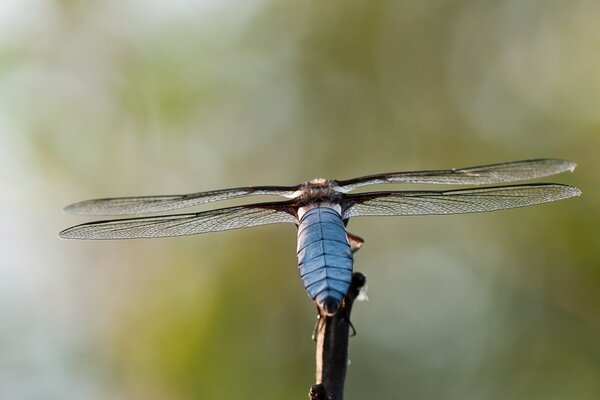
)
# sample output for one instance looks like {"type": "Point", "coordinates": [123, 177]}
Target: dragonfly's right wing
{"type": "Point", "coordinates": [151, 204]}
{"type": "Point", "coordinates": [185, 224]}
{"type": "Point", "coordinates": [433, 202]}
{"type": "Point", "coordinates": [479, 175]}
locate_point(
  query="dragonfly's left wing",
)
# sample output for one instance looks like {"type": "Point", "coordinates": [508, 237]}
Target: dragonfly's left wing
{"type": "Point", "coordinates": [480, 175]}
{"type": "Point", "coordinates": [454, 201]}
{"type": "Point", "coordinates": [184, 224]}
{"type": "Point", "coordinates": [151, 204]}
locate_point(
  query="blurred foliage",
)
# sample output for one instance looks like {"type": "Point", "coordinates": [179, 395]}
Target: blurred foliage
{"type": "Point", "coordinates": [121, 98]}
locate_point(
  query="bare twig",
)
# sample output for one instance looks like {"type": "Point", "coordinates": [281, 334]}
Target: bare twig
{"type": "Point", "coordinates": [332, 335]}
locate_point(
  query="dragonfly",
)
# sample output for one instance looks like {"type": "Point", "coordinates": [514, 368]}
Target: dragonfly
{"type": "Point", "coordinates": [321, 208]}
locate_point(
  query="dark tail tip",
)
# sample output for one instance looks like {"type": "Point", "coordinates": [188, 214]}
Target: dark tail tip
{"type": "Point", "coordinates": [330, 307]}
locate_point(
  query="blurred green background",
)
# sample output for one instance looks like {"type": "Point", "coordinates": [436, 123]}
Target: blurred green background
{"type": "Point", "coordinates": [116, 98]}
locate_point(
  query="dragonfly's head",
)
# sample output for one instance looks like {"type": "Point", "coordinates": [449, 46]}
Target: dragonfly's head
{"type": "Point", "coordinates": [319, 182]}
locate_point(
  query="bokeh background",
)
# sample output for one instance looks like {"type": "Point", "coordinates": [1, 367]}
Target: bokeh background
{"type": "Point", "coordinates": [115, 98]}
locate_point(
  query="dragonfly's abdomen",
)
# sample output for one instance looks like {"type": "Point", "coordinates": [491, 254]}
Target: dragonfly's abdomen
{"type": "Point", "coordinates": [324, 257]}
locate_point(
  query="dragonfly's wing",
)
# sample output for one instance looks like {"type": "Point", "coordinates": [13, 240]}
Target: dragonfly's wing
{"type": "Point", "coordinates": [454, 201]}
{"type": "Point", "coordinates": [184, 224]}
{"type": "Point", "coordinates": [151, 204]}
{"type": "Point", "coordinates": [480, 175]}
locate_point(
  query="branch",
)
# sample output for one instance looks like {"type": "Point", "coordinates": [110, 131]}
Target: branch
{"type": "Point", "coordinates": [332, 346]}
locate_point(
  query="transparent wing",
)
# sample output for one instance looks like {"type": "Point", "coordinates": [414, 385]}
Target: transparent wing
{"type": "Point", "coordinates": [184, 224]}
{"type": "Point", "coordinates": [150, 204]}
{"type": "Point", "coordinates": [479, 175]}
{"type": "Point", "coordinates": [454, 201]}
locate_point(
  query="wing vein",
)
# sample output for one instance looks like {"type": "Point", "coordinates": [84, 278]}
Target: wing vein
{"type": "Point", "coordinates": [478, 175]}
{"type": "Point", "coordinates": [455, 201]}
{"type": "Point", "coordinates": [184, 224]}
{"type": "Point", "coordinates": [161, 203]}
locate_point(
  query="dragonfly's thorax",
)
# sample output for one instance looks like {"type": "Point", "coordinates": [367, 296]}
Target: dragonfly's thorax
{"type": "Point", "coordinates": [318, 191]}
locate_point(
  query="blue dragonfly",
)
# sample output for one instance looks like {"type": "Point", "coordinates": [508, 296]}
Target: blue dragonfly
{"type": "Point", "coordinates": [321, 208]}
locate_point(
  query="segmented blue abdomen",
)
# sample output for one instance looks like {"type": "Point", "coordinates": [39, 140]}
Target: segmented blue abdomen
{"type": "Point", "coordinates": [324, 257]}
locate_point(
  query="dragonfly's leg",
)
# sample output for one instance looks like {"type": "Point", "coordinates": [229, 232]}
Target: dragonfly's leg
{"type": "Point", "coordinates": [346, 317]}
{"type": "Point", "coordinates": [318, 325]}
{"type": "Point", "coordinates": [352, 329]}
